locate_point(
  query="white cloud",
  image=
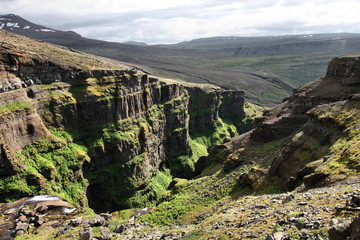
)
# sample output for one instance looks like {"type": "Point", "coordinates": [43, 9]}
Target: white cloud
{"type": "Point", "coordinates": [168, 21]}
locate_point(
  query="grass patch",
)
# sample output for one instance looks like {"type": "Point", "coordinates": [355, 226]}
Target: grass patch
{"type": "Point", "coordinates": [14, 107]}
{"type": "Point", "coordinates": [194, 235]}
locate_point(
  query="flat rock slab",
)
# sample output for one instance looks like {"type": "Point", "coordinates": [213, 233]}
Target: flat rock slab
{"type": "Point", "coordinates": [47, 205]}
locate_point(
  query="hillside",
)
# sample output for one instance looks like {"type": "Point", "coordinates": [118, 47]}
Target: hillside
{"type": "Point", "coordinates": [266, 68]}
{"type": "Point", "coordinates": [169, 160]}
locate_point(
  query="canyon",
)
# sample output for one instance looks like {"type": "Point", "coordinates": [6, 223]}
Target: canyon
{"type": "Point", "coordinates": [120, 128]}
{"type": "Point", "coordinates": [170, 159]}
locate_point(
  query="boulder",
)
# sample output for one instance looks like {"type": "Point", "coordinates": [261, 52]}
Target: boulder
{"type": "Point", "coordinates": [75, 222]}
{"type": "Point", "coordinates": [353, 201]}
{"type": "Point", "coordinates": [339, 231]}
{"type": "Point", "coordinates": [107, 216]}
{"type": "Point", "coordinates": [97, 221]}
{"type": "Point", "coordinates": [86, 233]}
{"type": "Point", "coordinates": [355, 229]}
{"type": "Point", "coordinates": [120, 228]}
{"type": "Point", "coordinates": [315, 179]}
{"type": "Point", "coordinates": [41, 207]}
{"type": "Point", "coordinates": [105, 234]}
{"type": "Point", "coordinates": [22, 226]}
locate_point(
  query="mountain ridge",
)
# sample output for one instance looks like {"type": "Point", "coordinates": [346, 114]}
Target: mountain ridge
{"type": "Point", "coordinates": [273, 68]}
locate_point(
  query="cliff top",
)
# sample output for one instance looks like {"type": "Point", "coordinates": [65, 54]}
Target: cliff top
{"type": "Point", "coordinates": [44, 52]}
{"type": "Point", "coordinates": [190, 84]}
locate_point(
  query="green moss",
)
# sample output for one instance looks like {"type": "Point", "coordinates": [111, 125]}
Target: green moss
{"type": "Point", "coordinates": [51, 167]}
{"type": "Point", "coordinates": [13, 107]}
{"type": "Point", "coordinates": [154, 192]}
{"type": "Point", "coordinates": [18, 106]}
{"type": "Point", "coordinates": [194, 235]}
{"type": "Point", "coordinates": [343, 154]}
{"type": "Point", "coordinates": [137, 160]}
{"type": "Point", "coordinates": [179, 183]}
{"type": "Point", "coordinates": [252, 110]}
{"type": "Point", "coordinates": [102, 88]}
{"type": "Point", "coordinates": [168, 212]}
{"type": "Point", "coordinates": [198, 149]}
{"type": "Point", "coordinates": [200, 142]}
{"type": "Point", "coordinates": [124, 214]}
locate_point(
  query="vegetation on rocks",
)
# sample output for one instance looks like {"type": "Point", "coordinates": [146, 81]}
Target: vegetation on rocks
{"type": "Point", "coordinates": [51, 166]}
{"type": "Point", "coordinates": [171, 157]}
{"type": "Point", "coordinates": [15, 106]}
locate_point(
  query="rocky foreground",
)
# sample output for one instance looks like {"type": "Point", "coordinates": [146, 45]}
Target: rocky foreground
{"type": "Point", "coordinates": [322, 213]}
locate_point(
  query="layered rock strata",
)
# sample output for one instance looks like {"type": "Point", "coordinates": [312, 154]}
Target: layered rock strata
{"type": "Point", "coordinates": [120, 128]}
{"type": "Point", "coordinates": [312, 138]}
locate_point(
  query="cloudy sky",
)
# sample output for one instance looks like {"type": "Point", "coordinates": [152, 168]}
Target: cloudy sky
{"type": "Point", "coordinates": [171, 21]}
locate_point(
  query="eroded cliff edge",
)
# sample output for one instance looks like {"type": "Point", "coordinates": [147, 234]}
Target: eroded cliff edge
{"type": "Point", "coordinates": [310, 140]}
{"type": "Point", "coordinates": [72, 127]}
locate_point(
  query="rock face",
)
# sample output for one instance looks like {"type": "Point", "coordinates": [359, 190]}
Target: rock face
{"type": "Point", "coordinates": [109, 132]}
{"type": "Point", "coordinates": [312, 138]}
{"type": "Point", "coordinates": [205, 107]}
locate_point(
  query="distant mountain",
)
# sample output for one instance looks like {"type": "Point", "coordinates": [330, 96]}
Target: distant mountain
{"type": "Point", "coordinates": [136, 43]}
{"type": "Point", "coordinates": [17, 24]}
{"type": "Point", "coordinates": [275, 45]}
{"type": "Point", "coordinates": [266, 68]}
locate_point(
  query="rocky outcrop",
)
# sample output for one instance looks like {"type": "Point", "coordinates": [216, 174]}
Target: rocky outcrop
{"type": "Point", "coordinates": [205, 107]}
{"type": "Point", "coordinates": [310, 138]}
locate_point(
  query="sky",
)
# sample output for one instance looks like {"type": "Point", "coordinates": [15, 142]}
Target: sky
{"type": "Point", "coordinates": [173, 21]}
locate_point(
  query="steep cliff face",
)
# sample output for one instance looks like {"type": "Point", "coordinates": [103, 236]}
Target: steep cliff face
{"type": "Point", "coordinates": [207, 106]}
{"type": "Point", "coordinates": [312, 138]}
{"type": "Point", "coordinates": [107, 138]}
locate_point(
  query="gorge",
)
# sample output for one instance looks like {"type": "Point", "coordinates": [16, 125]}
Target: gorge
{"type": "Point", "coordinates": [169, 159]}
{"type": "Point", "coordinates": [120, 129]}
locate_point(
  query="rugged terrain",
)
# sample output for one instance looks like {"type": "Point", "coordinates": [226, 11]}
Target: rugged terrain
{"type": "Point", "coordinates": [100, 134]}
{"type": "Point", "coordinates": [165, 158]}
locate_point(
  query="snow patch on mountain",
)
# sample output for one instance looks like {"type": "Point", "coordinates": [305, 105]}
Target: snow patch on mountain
{"type": "Point", "coordinates": [47, 30]}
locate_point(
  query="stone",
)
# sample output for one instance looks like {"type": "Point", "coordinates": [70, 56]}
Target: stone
{"type": "Point", "coordinates": [355, 229]}
{"type": "Point", "coordinates": [39, 220]}
{"type": "Point", "coordinates": [279, 235]}
{"type": "Point", "coordinates": [22, 226]}
{"type": "Point", "coordinates": [288, 198]}
{"type": "Point", "coordinates": [41, 209]}
{"type": "Point", "coordinates": [86, 233]}
{"type": "Point", "coordinates": [261, 206]}
{"type": "Point", "coordinates": [22, 218]}
{"type": "Point", "coordinates": [19, 232]}
{"type": "Point", "coordinates": [47, 205]}
{"type": "Point", "coordinates": [269, 237]}
{"type": "Point", "coordinates": [10, 211]}
{"type": "Point", "coordinates": [339, 231]}
{"type": "Point", "coordinates": [354, 201]}
{"type": "Point", "coordinates": [333, 222]}
{"type": "Point", "coordinates": [71, 236]}
{"type": "Point", "coordinates": [75, 222]}
{"type": "Point", "coordinates": [105, 234]}
{"type": "Point", "coordinates": [120, 228]}
{"type": "Point", "coordinates": [107, 216]}
{"type": "Point", "coordinates": [97, 221]}
{"type": "Point", "coordinates": [62, 231]}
